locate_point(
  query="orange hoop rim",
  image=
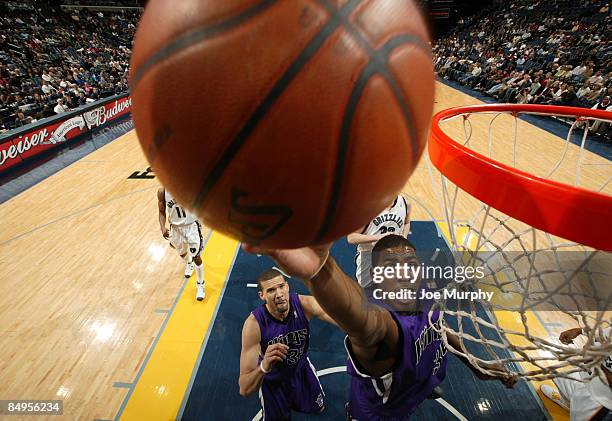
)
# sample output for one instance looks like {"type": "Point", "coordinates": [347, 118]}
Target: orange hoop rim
{"type": "Point", "coordinates": [574, 213]}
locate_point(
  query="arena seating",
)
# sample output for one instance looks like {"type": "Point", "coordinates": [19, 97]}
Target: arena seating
{"type": "Point", "coordinates": [545, 52]}
{"type": "Point", "coordinates": [56, 59]}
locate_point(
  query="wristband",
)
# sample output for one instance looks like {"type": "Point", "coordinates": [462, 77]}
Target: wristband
{"type": "Point", "coordinates": [263, 370]}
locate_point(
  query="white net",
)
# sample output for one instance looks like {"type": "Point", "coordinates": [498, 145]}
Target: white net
{"type": "Point", "coordinates": [541, 283]}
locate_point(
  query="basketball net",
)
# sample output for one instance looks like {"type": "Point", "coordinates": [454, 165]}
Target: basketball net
{"type": "Point", "coordinates": [542, 284]}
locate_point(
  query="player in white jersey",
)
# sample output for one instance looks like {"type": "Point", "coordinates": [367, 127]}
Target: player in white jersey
{"type": "Point", "coordinates": [584, 401]}
{"type": "Point", "coordinates": [185, 235]}
{"type": "Point", "coordinates": [393, 220]}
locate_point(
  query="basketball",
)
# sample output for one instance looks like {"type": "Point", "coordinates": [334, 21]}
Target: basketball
{"type": "Point", "coordinates": [282, 123]}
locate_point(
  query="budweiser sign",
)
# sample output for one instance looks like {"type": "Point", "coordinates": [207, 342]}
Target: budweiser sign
{"type": "Point", "coordinates": [42, 138]}
{"type": "Point", "coordinates": [17, 148]}
{"type": "Point", "coordinates": [107, 112]}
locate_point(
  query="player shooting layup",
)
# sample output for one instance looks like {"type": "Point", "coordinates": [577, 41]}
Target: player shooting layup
{"type": "Point", "coordinates": [396, 358]}
{"type": "Point", "coordinates": [185, 235]}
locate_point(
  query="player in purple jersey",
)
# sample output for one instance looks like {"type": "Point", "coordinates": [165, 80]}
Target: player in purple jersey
{"type": "Point", "coordinates": [396, 358]}
{"type": "Point", "coordinates": [274, 357]}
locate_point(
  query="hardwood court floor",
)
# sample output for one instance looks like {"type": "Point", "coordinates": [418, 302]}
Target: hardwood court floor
{"type": "Point", "coordinates": [86, 278]}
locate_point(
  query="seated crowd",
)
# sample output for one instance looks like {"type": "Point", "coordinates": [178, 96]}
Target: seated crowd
{"type": "Point", "coordinates": [54, 60]}
{"type": "Point", "coordinates": [535, 52]}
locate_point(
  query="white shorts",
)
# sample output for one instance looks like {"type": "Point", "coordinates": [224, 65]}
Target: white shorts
{"type": "Point", "coordinates": [585, 398]}
{"type": "Point", "coordinates": [187, 239]}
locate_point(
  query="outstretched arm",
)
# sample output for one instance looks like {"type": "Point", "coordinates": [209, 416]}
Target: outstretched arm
{"type": "Point", "coordinates": [373, 333]}
{"type": "Point", "coordinates": [508, 379]}
{"type": "Point", "coordinates": [161, 206]}
{"type": "Point", "coordinates": [358, 238]}
{"type": "Point", "coordinates": [313, 309]}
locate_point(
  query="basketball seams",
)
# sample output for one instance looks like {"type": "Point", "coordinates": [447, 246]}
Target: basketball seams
{"type": "Point", "coordinates": [338, 22]}
{"type": "Point", "coordinates": [350, 109]}
{"type": "Point", "coordinates": [302, 59]}
{"type": "Point", "coordinates": [353, 20]}
{"type": "Point", "coordinates": [379, 61]}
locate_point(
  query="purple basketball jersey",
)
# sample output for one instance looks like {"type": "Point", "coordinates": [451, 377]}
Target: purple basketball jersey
{"type": "Point", "coordinates": [422, 366]}
{"type": "Point", "coordinates": [293, 331]}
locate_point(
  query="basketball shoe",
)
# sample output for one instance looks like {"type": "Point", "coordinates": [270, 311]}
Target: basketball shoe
{"type": "Point", "coordinates": [554, 396]}
{"type": "Point", "coordinates": [200, 291]}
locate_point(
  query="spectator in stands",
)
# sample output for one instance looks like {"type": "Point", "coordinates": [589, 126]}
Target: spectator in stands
{"type": "Point", "coordinates": [60, 108]}
{"type": "Point", "coordinates": [46, 88]}
{"type": "Point", "coordinates": [46, 54]}
{"type": "Point", "coordinates": [560, 50]}
{"type": "Point", "coordinates": [601, 127]}
{"type": "Point", "coordinates": [569, 97]}
{"type": "Point", "coordinates": [523, 97]}
{"type": "Point", "coordinates": [82, 98]}
{"type": "Point", "coordinates": [21, 119]}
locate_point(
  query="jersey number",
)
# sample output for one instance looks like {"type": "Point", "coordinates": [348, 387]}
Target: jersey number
{"type": "Point", "coordinates": [180, 212]}
{"type": "Point", "coordinates": [384, 230]}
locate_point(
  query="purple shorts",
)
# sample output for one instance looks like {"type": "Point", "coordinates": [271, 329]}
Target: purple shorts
{"type": "Point", "coordinates": [302, 392]}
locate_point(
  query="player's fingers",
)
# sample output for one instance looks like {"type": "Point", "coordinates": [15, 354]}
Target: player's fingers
{"type": "Point", "coordinates": [510, 381]}
{"type": "Point", "coordinates": [256, 250]}
{"type": "Point", "coordinates": [279, 346]}
{"type": "Point", "coordinates": [277, 354]}
{"type": "Point", "coordinates": [284, 348]}
{"type": "Point", "coordinates": [274, 359]}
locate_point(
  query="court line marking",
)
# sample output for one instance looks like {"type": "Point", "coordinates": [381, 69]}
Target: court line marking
{"type": "Point", "coordinates": [156, 340]}
{"type": "Point", "coordinates": [450, 408]}
{"type": "Point", "coordinates": [196, 366]}
{"type": "Point", "coordinates": [75, 213]}
{"type": "Point", "coordinates": [123, 385]}
{"type": "Point", "coordinates": [342, 369]}
{"type": "Point", "coordinates": [148, 356]}
{"type": "Point", "coordinates": [161, 388]}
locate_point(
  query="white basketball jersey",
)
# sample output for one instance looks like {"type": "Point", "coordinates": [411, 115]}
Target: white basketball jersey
{"type": "Point", "coordinates": [389, 220]}
{"type": "Point", "coordinates": [600, 391]}
{"type": "Point", "coordinates": [176, 214]}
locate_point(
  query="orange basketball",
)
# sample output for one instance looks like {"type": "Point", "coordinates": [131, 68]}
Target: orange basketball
{"type": "Point", "coordinates": [282, 122]}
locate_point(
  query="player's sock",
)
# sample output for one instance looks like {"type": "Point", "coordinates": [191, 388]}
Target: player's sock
{"type": "Point", "coordinates": [199, 282]}
{"type": "Point", "coordinates": [189, 266]}
{"type": "Point", "coordinates": [199, 273]}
